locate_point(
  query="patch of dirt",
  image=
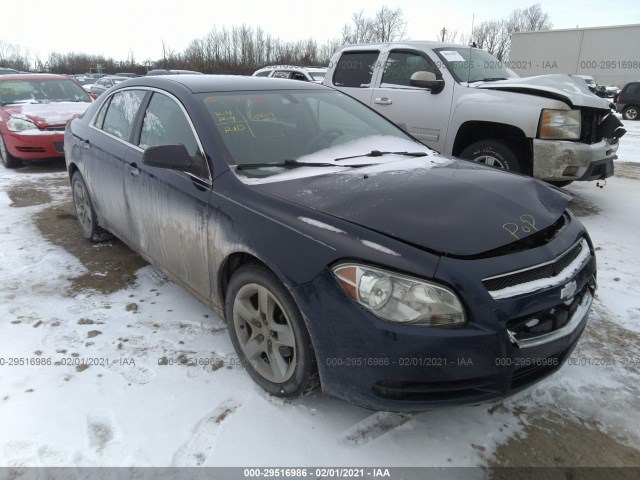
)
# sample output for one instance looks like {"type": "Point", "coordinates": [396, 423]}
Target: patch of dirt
{"type": "Point", "coordinates": [28, 194]}
{"type": "Point", "coordinates": [583, 207]}
{"type": "Point", "coordinates": [571, 444]}
{"type": "Point", "coordinates": [111, 264]}
{"type": "Point", "coordinates": [627, 170]}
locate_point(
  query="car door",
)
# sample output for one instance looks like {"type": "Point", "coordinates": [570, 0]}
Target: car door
{"type": "Point", "coordinates": [106, 151]}
{"type": "Point", "coordinates": [420, 112]}
{"type": "Point", "coordinates": [169, 208]}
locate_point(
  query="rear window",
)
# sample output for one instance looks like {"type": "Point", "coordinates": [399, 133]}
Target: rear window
{"type": "Point", "coordinates": [355, 69]}
{"type": "Point", "coordinates": [121, 112]}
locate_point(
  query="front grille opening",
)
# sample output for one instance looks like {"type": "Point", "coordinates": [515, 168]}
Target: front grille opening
{"type": "Point", "coordinates": [435, 391]}
{"type": "Point", "coordinates": [545, 321]}
{"type": "Point", "coordinates": [544, 271]}
{"type": "Point", "coordinates": [30, 149]}
{"type": "Point", "coordinates": [59, 146]}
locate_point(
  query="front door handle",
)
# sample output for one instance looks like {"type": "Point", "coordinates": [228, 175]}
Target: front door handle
{"type": "Point", "coordinates": [383, 101]}
{"type": "Point", "coordinates": [133, 169]}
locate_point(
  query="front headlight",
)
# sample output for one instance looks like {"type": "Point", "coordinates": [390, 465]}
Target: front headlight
{"type": "Point", "coordinates": [560, 124]}
{"type": "Point", "coordinates": [20, 125]}
{"type": "Point", "coordinates": [398, 298]}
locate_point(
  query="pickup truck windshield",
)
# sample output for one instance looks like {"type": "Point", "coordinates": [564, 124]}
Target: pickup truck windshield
{"type": "Point", "coordinates": [469, 64]}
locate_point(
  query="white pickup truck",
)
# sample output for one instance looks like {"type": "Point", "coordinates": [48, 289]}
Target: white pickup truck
{"type": "Point", "coordinates": [462, 101]}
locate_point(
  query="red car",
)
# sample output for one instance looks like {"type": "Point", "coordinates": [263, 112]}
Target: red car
{"type": "Point", "coordinates": [34, 111]}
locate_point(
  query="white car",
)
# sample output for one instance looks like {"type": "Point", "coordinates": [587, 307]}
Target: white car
{"type": "Point", "coordinates": [309, 74]}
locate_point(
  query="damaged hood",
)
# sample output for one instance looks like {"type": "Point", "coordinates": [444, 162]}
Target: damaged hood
{"type": "Point", "coordinates": [47, 114]}
{"type": "Point", "coordinates": [559, 87]}
{"type": "Point", "coordinates": [437, 203]}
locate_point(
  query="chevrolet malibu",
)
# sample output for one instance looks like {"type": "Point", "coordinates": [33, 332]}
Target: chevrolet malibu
{"type": "Point", "coordinates": [342, 252]}
{"type": "Point", "coordinates": [34, 110]}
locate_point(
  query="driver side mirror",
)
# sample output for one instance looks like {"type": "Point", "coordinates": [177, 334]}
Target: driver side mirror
{"type": "Point", "coordinates": [173, 157]}
{"type": "Point", "coordinates": [427, 80]}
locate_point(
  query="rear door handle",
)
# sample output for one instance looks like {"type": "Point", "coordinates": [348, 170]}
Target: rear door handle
{"type": "Point", "coordinates": [383, 101]}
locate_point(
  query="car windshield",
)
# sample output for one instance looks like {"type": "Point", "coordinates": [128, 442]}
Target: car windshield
{"type": "Point", "coordinates": [41, 91]}
{"type": "Point", "coordinates": [468, 64]}
{"type": "Point", "coordinates": [279, 126]}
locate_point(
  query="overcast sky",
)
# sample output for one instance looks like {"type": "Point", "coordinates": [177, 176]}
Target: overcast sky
{"type": "Point", "coordinates": [115, 27]}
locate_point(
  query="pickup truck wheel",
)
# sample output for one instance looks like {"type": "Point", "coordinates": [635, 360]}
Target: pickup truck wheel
{"type": "Point", "coordinates": [493, 153]}
{"type": "Point", "coordinates": [8, 160]}
{"type": "Point", "coordinates": [630, 113]}
{"type": "Point", "coordinates": [269, 334]}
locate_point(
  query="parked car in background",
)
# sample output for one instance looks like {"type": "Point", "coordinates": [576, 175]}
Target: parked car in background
{"type": "Point", "coordinates": [460, 101]}
{"type": "Point", "coordinates": [161, 71]}
{"type": "Point", "coordinates": [628, 101]}
{"type": "Point", "coordinates": [105, 83]}
{"type": "Point", "coordinates": [130, 75]}
{"type": "Point", "coordinates": [8, 71]}
{"type": "Point", "coordinates": [34, 111]}
{"type": "Point", "coordinates": [309, 74]}
{"type": "Point", "coordinates": [591, 83]}
{"type": "Point", "coordinates": [341, 251]}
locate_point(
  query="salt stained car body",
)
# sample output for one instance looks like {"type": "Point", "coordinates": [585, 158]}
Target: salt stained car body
{"type": "Point", "coordinates": [339, 249]}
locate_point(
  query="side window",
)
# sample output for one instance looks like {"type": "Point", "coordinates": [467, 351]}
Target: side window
{"type": "Point", "coordinates": [355, 69]}
{"type": "Point", "coordinates": [165, 124]}
{"type": "Point", "coordinates": [401, 65]}
{"type": "Point", "coordinates": [633, 89]}
{"type": "Point", "coordinates": [101, 114]}
{"type": "Point", "coordinates": [280, 74]}
{"type": "Point", "coordinates": [263, 74]}
{"type": "Point", "coordinates": [298, 76]}
{"type": "Point", "coordinates": [121, 113]}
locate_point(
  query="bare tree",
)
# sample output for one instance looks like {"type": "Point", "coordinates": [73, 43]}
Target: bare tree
{"type": "Point", "coordinates": [387, 25]}
{"type": "Point", "coordinates": [495, 35]}
{"type": "Point", "coordinates": [448, 36]}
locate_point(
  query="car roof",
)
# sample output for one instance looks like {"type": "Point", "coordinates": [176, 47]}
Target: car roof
{"type": "Point", "coordinates": [222, 83]}
{"type": "Point", "coordinates": [35, 76]}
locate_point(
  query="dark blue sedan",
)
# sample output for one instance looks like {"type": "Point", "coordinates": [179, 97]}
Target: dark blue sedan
{"type": "Point", "coordinates": [342, 252]}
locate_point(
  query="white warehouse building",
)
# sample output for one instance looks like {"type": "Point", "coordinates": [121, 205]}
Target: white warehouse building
{"type": "Point", "coordinates": [611, 55]}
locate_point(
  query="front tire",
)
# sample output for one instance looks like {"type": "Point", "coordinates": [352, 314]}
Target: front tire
{"type": "Point", "coordinates": [269, 334]}
{"type": "Point", "coordinates": [630, 113]}
{"type": "Point", "coordinates": [494, 153]}
{"type": "Point", "coordinates": [85, 213]}
{"type": "Point", "coordinates": [8, 160]}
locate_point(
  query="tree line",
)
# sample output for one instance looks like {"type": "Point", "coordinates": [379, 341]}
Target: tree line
{"type": "Point", "coordinates": [243, 49]}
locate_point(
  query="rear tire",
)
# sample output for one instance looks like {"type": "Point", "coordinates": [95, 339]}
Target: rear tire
{"type": "Point", "coordinates": [85, 213]}
{"type": "Point", "coordinates": [269, 334]}
{"type": "Point", "coordinates": [493, 153]}
{"type": "Point", "coordinates": [631, 113]}
{"type": "Point", "coordinates": [8, 160]}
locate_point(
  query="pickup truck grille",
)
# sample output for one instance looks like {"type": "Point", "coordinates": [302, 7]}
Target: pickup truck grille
{"type": "Point", "coordinates": [590, 121]}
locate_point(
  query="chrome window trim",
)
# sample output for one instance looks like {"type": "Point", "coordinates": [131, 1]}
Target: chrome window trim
{"type": "Point", "coordinates": [136, 147]}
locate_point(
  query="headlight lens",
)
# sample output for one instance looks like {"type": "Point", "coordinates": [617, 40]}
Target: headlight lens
{"type": "Point", "coordinates": [398, 298]}
{"type": "Point", "coordinates": [560, 124]}
{"type": "Point", "coordinates": [20, 125]}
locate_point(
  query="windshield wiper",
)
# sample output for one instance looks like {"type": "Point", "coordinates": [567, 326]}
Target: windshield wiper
{"type": "Point", "coordinates": [378, 153]}
{"type": "Point", "coordinates": [294, 163]}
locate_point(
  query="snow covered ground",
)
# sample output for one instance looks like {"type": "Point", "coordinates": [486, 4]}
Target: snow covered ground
{"type": "Point", "coordinates": [136, 405]}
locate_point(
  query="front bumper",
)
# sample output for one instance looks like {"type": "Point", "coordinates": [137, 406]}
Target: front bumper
{"type": "Point", "coordinates": [33, 145]}
{"type": "Point", "coordinates": [386, 366]}
{"type": "Point", "coordinates": [561, 160]}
